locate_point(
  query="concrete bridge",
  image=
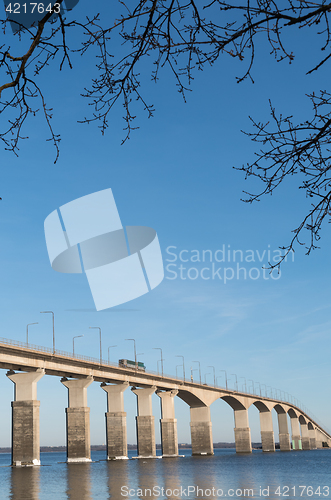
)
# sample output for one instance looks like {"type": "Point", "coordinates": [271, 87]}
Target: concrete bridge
{"type": "Point", "coordinates": [26, 365]}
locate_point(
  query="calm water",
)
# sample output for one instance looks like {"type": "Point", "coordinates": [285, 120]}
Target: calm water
{"type": "Point", "coordinates": [274, 476]}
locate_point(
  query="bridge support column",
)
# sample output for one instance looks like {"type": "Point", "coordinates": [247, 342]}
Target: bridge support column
{"type": "Point", "coordinates": [201, 433]}
{"type": "Point", "coordinates": [296, 436]}
{"type": "Point", "coordinates": [242, 432]}
{"type": "Point", "coordinates": [312, 438]}
{"type": "Point", "coordinates": [168, 422]}
{"type": "Point", "coordinates": [267, 431]}
{"type": "Point", "coordinates": [25, 418]}
{"type": "Point", "coordinates": [284, 436]}
{"type": "Point", "coordinates": [319, 439]}
{"type": "Point", "coordinates": [78, 420]}
{"type": "Point", "coordinates": [145, 423]}
{"type": "Point", "coordinates": [305, 437]}
{"type": "Point", "coordinates": [117, 447]}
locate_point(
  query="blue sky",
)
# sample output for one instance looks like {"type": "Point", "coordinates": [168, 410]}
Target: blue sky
{"type": "Point", "coordinates": [175, 175]}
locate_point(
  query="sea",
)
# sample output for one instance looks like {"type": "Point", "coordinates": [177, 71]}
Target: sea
{"type": "Point", "coordinates": [279, 475]}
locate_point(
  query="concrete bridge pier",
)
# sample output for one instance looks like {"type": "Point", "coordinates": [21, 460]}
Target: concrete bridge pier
{"type": "Point", "coordinates": [312, 436]}
{"type": "Point", "coordinates": [296, 436]}
{"type": "Point", "coordinates": [117, 447]}
{"type": "Point", "coordinates": [304, 434]}
{"type": "Point", "coordinates": [78, 420]}
{"type": "Point", "coordinates": [25, 418]}
{"type": "Point", "coordinates": [145, 423]}
{"type": "Point", "coordinates": [284, 435]}
{"type": "Point", "coordinates": [319, 439]}
{"type": "Point", "coordinates": [242, 432]}
{"type": "Point", "coordinates": [201, 433]}
{"type": "Point", "coordinates": [267, 431]}
{"type": "Point", "coordinates": [168, 422]}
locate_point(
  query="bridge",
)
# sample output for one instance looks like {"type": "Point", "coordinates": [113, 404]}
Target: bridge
{"type": "Point", "coordinates": [26, 364]}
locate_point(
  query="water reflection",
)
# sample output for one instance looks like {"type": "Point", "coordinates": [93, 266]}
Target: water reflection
{"type": "Point", "coordinates": [204, 478]}
{"type": "Point", "coordinates": [170, 473]}
{"type": "Point", "coordinates": [79, 481]}
{"type": "Point", "coordinates": [118, 478]}
{"type": "Point", "coordinates": [24, 483]}
{"type": "Point", "coordinates": [148, 479]}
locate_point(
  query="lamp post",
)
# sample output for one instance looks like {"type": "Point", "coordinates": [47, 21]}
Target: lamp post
{"type": "Point", "coordinates": [159, 349]}
{"type": "Point", "coordinates": [176, 370]}
{"type": "Point", "coordinates": [51, 312]}
{"type": "Point", "coordinates": [259, 387]}
{"type": "Point", "coordinates": [98, 328]}
{"type": "Point", "coordinates": [135, 352]}
{"type": "Point", "coordinates": [245, 383]}
{"type": "Point", "coordinates": [214, 374]}
{"type": "Point", "coordinates": [27, 331]}
{"type": "Point", "coordinates": [226, 379]}
{"type": "Point", "coordinates": [193, 370]}
{"type": "Point", "coordinates": [252, 385]}
{"type": "Point", "coordinates": [183, 366]}
{"type": "Point", "coordinates": [108, 351]}
{"type": "Point", "coordinates": [236, 380]}
{"type": "Point", "coordinates": [206, 378]}
{"type": "Point", "coordinates": [73, 343]}
{"type": "Point", "coordinates": [265, 389]}
{"type": "Point", "coordinates": [199, 370]}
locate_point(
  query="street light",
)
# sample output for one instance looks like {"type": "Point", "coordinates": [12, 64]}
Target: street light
{"type": "Point", "coordinates": [265, 389]}
{"type": "Point", "coordinates": [51, 312]}
{"type": "Point", "coordinates": [205, 377]}
{"type": "Point", "coordinates": [73, 343]}
{"type": "Point", "coordinates": [98, 328]}
{"type": "Point", "coordinates": [158, 366]}
{"type": "Point", "coordinates": [27, 331]}
{"type": "Point", "coordinates": [199, 370]}
{"type": "Point", "coordinates": [245, 383]}
{"type": "Point", "coordinates": [259, 387]}
{"type": "Point", "coordinates": [193, 370]}
{"type": "Point", "coordinates": [135, 352]}
{"type": "Point", "coordinates": [226, 379]}
{"type": "Point", "coordinates": [183, 366]}
{"type": "Point", "coordinates": [159, 349]}
{"type": "Point", "coordinates": [214, 374]}
{"type": "Point", "coordinates": [176, 370]}
{"type": "Point", "coordinates": [108, 351]}
{"type": "Point", "coordinates": [236, 380]}
{"type": "Point", "coordinates": [252, 385]}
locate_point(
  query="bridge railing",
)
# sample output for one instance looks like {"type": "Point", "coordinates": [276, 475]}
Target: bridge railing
{"type": "Point", "coordinates": [70, 355]}
{"type": "Point", "coordinates": [81, 357]}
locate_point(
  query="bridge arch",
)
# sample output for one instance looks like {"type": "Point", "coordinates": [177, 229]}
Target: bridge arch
{"type": "Point", "coordinates": [262, 407]}
{"type": "Point", "coordinates": [302, 420]}
{"type": "Point", "coordinates": [305, 433]}
{"type": "Point", "coordinates": [292, 413]}
{"type": "Point", "coordinates": [266, 423]}
{"type": "Point", "coordinates": [279, 409]}
{"type": "Point", "coordinates": [235, 404]}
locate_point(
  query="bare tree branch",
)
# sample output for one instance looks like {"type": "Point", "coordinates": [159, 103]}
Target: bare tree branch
{"type": "Point", "coordinates": [182, 36]}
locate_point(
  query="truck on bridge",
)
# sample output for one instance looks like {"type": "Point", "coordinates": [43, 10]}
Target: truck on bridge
{"type": "Point", "coordinates": [127, 363]}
